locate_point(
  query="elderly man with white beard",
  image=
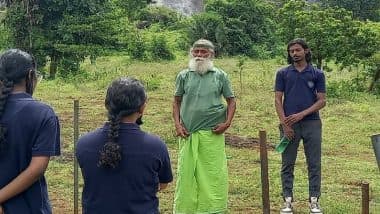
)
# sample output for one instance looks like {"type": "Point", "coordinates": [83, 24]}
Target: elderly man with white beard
{"type": "Point", "coordinates": [201, 118]}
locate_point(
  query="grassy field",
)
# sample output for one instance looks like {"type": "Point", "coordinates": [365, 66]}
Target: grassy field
{"type": "Point", "coordinates": [348, 123]}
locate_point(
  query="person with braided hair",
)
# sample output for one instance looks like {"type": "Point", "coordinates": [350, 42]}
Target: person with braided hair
{"type": "Point", "coordinates": [122, 166]}
{"type": "Point", "coordinates": [29, 136]}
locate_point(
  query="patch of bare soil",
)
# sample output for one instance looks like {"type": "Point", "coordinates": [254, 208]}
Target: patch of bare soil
{"type": "Point", "coordinates": [245, 142]}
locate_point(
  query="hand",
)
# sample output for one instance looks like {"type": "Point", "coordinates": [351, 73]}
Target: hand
{"type": "Point", "coordinates": [288, 132]}
{"type": "Point", "coordinates": [220, 128]}
{"type": "Point", "coordinates": [180, 131]}
{"type": "Point", "coordinates": [294, 118]}
{"type": "Point", "coordinates": [1, 210]}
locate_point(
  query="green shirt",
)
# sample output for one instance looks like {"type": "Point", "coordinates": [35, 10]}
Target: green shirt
{"type": "Point", "coordinates": [202, 106]}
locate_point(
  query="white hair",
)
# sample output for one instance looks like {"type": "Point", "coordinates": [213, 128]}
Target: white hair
{"type": "Point", "coordinates": [200, 65]}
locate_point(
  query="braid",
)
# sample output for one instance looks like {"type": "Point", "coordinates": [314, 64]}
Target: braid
{"type": "Point", "coordinates": [15, 66]}
{"type": "Point", "coordinates": [5, 89]}
{"type": "Point", "coordinates": [125, 97]}
{"type": "Point", "coordinates": [110, 154]}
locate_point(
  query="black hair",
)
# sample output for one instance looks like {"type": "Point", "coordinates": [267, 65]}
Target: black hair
{"type": "Point", "coordinates": [15, 65]}
{"type": "Point", "coordinates": [304, 45]}
{"type": "Point", "coordinates": [125, 96]}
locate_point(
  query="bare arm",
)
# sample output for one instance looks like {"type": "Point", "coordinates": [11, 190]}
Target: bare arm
{"type": "Point", "coordinates": [231, 108]}
{"type": "Point", "coordinates": [176, 108]}
{"type": "Point", "coordinates": [180, 129]}
{"type": "Point", "coordinates": [279, 107]}
{"type": "Point", "coordinates": [288, 130]}
{"type": "Point", "coordinates": [25, 179]}
{"type": "Point", "coordinates": [294, 118]}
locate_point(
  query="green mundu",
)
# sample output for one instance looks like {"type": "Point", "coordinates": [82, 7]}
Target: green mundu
{"type": "Point", "coordinates": [282, 145]}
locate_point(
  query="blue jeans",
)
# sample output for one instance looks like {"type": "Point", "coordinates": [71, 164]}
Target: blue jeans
{"type": "Point", "coordinates": [310, 131]}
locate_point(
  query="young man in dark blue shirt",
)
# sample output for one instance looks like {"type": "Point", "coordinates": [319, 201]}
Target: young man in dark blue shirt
{"type": "Point", "coordinates": [29, 135]}
{"type": "Point", "coordinates": [299, 94]}
{"type": "Point", "coordinates": [123, 167]}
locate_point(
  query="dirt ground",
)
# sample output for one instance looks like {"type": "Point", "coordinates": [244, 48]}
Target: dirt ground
{"type": "Point", "coordinates": [245, 142]}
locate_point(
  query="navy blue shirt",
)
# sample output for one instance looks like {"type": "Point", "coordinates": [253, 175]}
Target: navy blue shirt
{"type": "Point", "coordinates": [133, 185]}
{"type": "Point", "coordinates": [300, 89]}
{"type": "Point", "coordinates": [32, 130]}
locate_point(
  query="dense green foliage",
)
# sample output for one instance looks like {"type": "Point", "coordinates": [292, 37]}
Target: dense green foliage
{"type": "Point", "coordinates": [332, 33]}
{"type": "Point", "coordinates": [244, 25]}
{"type": "Point", "coordinates": [132, 7]}
{"type": "Point", "coordinates": [210, 26]}
{"type": "Point", "coordinates": [161, 15]}
{"type": "Point", "coordinates": [61, 34]}
{"type": "Point", "coordinates": [362, 9]}
{"type": "Point", "coordinates": [160, 50]}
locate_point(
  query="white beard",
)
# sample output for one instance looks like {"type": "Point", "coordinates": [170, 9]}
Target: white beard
{"type": "Point", "coordinates": [200, 65]}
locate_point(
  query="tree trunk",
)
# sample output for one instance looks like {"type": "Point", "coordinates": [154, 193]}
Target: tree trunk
{"type": "Point", "coordinates": [319, 62]}
{"type": "Point", "coordinates": [375, 78]}
{"type": "Point", "coordinates": [53, 66]}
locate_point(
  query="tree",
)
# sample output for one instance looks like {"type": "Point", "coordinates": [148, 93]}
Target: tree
{"type": "Point", "coordinates": [132, 7]}
{"type": "Point", "coordinates": [164, 16]}
{"type": "Point", "coordinates": [208, 26]}
{"type": "Point", "coordinates": [361, 9]}
{"type": "Point", "coordinates": [244, 24]}
{"type": "Point", "coordinates": [332, 33]}
{"type": "Point", "coordinates": [63, 32]}
{"type": "Point", "coordinates": [374, 70]}
{"type": "Point", "coordinates": [373, 61]}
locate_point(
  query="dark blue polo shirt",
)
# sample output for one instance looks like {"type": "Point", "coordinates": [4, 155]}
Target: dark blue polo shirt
{"type": "Point", "coordinates": [300, 89]}
{"type": "Point", "coordinates": [132, 186]}
{"type": "Point", "coordinates": [32, 130]}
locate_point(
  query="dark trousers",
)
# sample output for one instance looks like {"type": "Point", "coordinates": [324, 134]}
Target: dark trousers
{"type": "Point", "coordinates": [310, 131]}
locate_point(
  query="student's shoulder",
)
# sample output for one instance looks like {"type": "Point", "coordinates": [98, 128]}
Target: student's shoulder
{"type": "Point", "coordinates": [154, 140]}
{"type": "Point", "coordinates": [316, 69]}
{"type": "Point", "coordinates": [39, 106]}
{"type": "Point", "coordinates": [90, 136]}
{"type": "Point", "coordinates": [284, 69]}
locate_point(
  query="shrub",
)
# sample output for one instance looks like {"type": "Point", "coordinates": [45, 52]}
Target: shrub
{"type": "Point", "coordinates": [162, 15]}
{"type": "Point", "coordinates": [208, 26]}
{"type": "Point", "coordinates": [69, 66]}
{"type": "Point", "coordinates": [137, 47]}
{"type": "Point", "coordinates": [160, 49]}
{"type": "Point", "coordinates": [347, 89]}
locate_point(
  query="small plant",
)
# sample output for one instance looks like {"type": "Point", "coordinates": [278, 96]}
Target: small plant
{"type": "Point", "coordinates": [240, 66]}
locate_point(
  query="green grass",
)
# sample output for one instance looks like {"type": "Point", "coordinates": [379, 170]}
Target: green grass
{"type": "Point", "coordinates": [348, 124]}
